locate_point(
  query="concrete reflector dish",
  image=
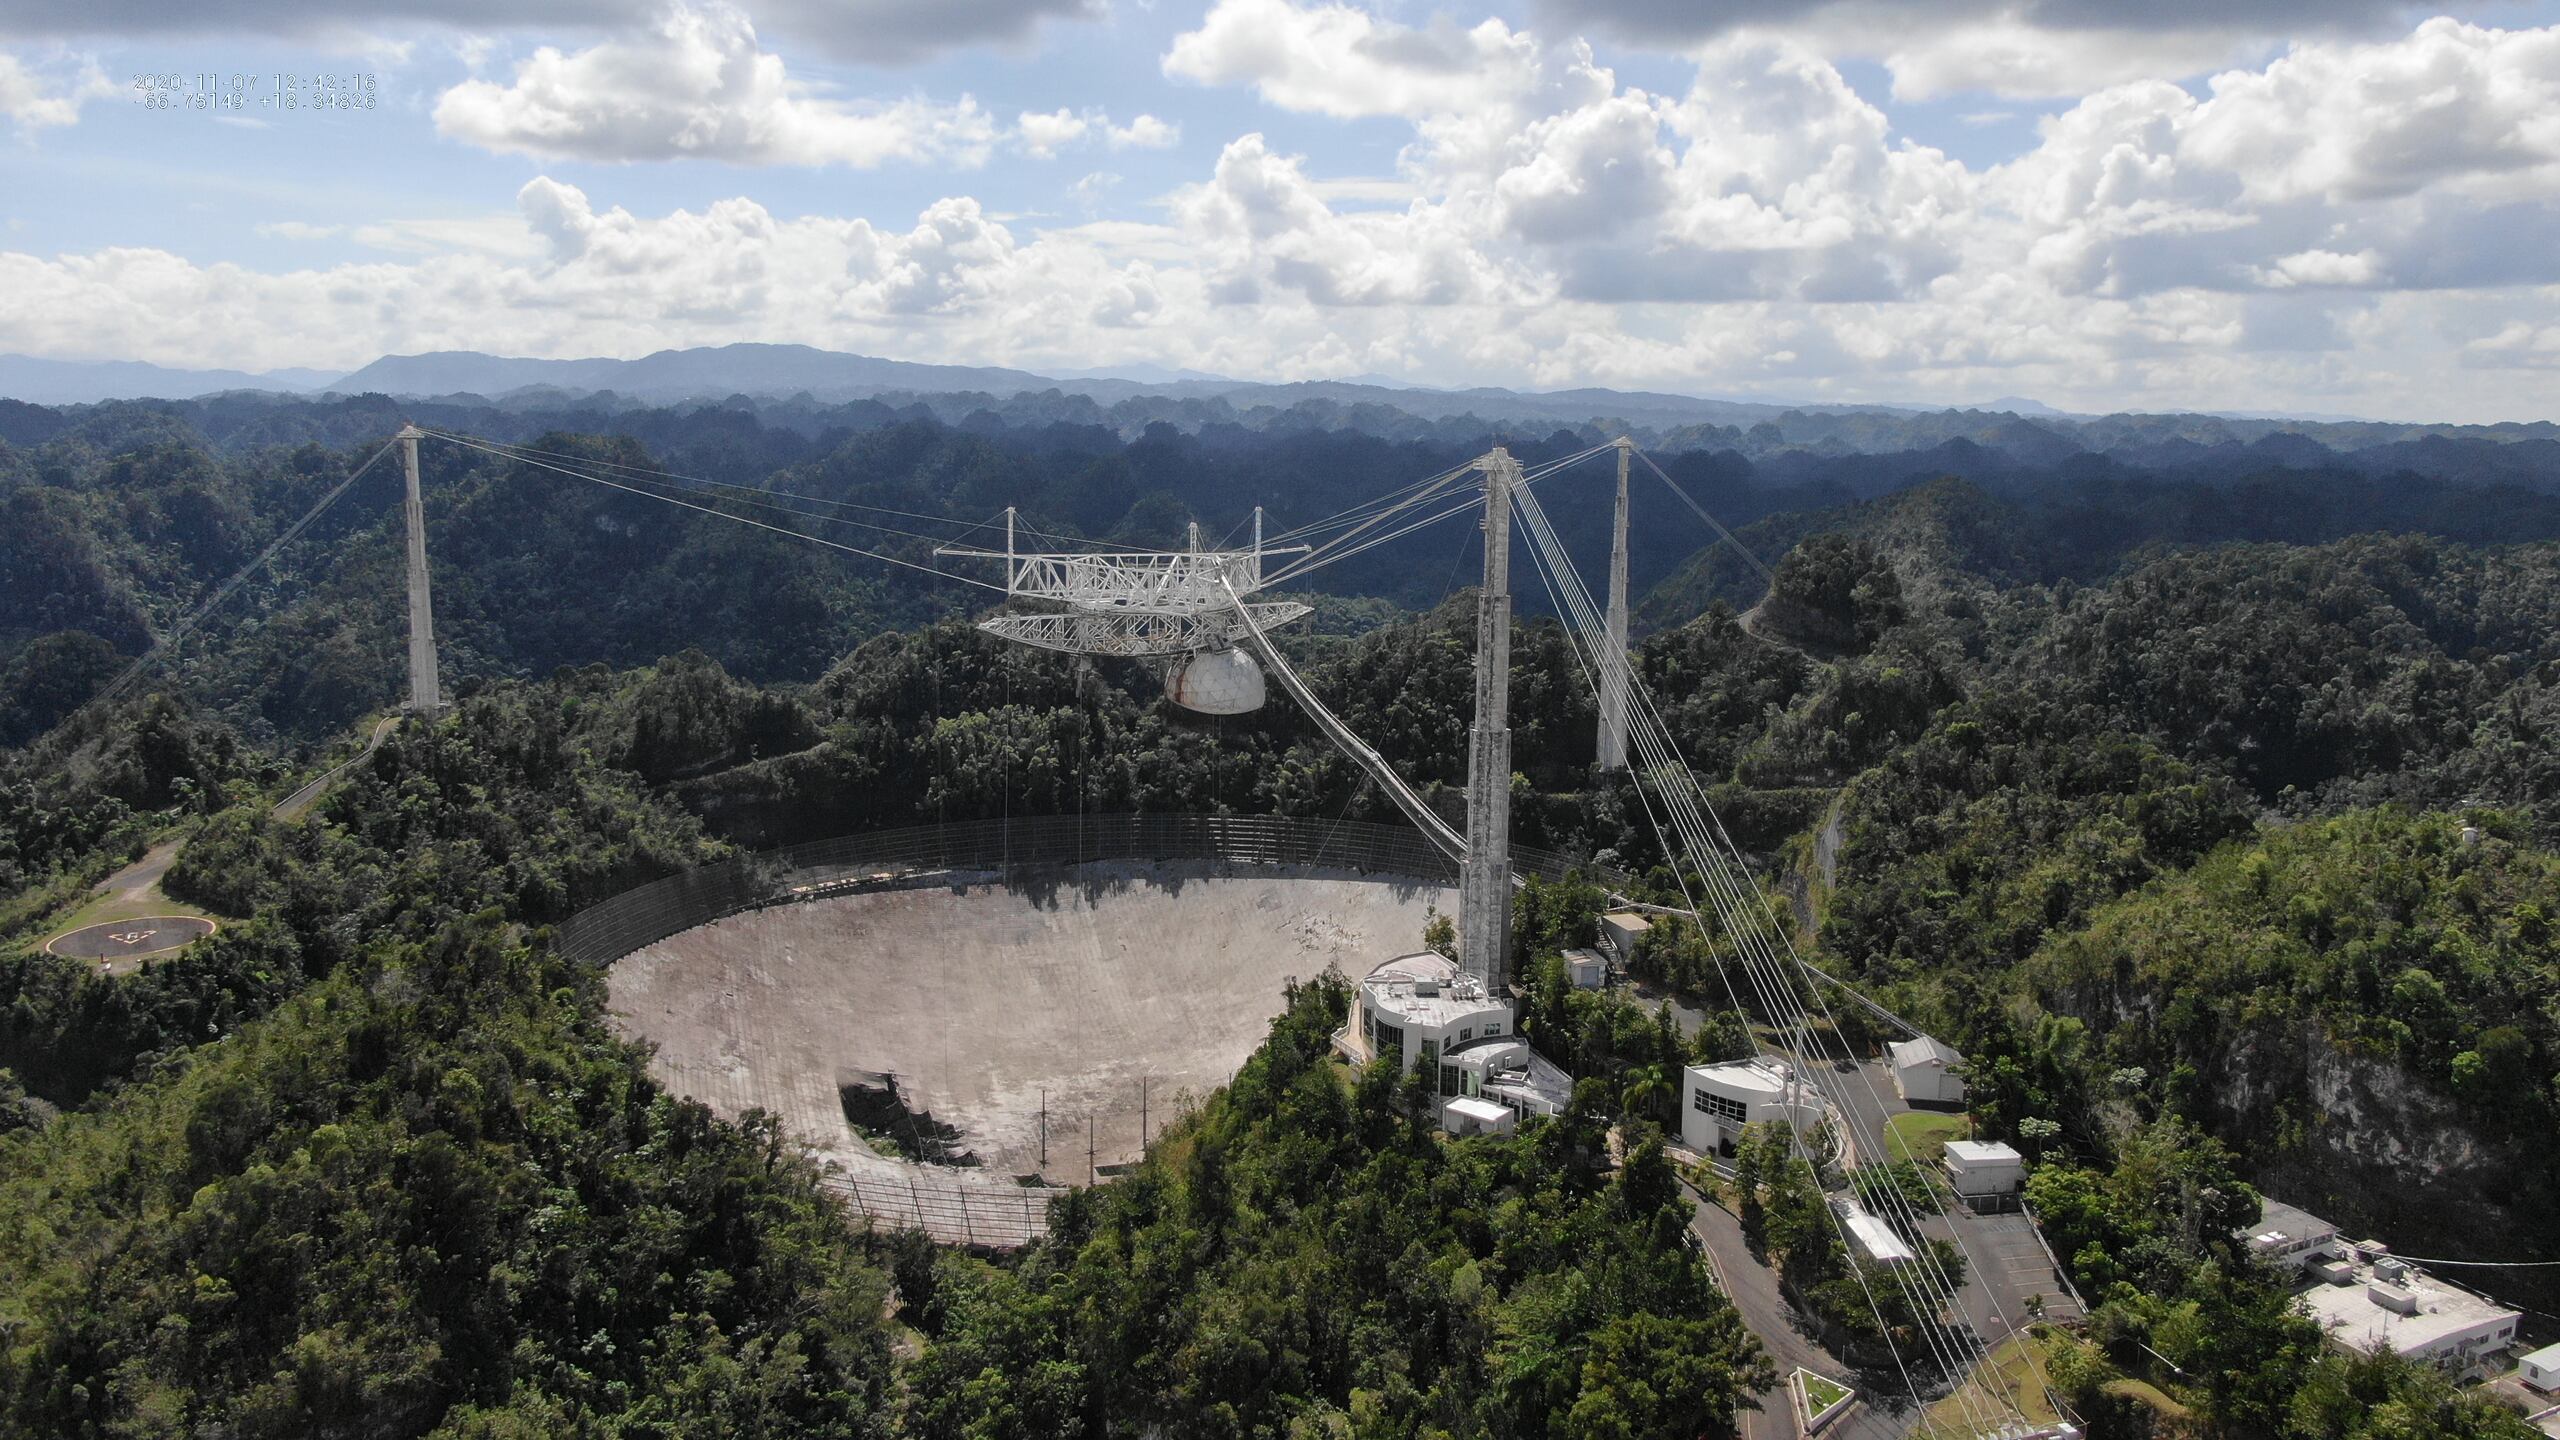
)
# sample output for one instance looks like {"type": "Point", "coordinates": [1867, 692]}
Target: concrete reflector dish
{"type": "Point", "coordinates": [1101, 994]}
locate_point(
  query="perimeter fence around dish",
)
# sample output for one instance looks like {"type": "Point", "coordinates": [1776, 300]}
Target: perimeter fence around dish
{"type": "Point", "coordinates": [951, 1211]}
{"type": "Point", "coordinates": [982, 850]}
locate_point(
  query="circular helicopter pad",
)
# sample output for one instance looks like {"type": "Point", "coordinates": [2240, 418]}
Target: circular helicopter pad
{"type": "Point", "coordinates": [129, 939]}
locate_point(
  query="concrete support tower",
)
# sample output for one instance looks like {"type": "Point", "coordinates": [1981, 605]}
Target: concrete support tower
{"type": "Point", "coordinates": [1484, 885]}
{"type": "Point", "coordinates": [1613, 663]}
{"type": "Point", "coordinates": [425, 696]}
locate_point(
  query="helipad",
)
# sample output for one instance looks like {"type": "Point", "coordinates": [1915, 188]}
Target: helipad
{"type": "Point", "coordinates": [130, 939]}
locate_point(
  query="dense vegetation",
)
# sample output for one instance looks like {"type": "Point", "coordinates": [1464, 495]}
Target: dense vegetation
{"type": "Point", "coordinates": [2167, 833]}
{"type": "Point", "coordinates": [1306, 1257]}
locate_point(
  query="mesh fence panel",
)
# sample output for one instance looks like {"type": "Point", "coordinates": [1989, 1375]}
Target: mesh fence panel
{"type": "Point", "coordinates": [610, 929]}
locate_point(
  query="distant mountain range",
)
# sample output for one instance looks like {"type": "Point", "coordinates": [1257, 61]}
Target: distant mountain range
{"type": "Point", "coordinates": [1130, 397]}
{"type": "Point", "coordinates": [77, 382]}
{"type": "Point", "coordinates": [672, 375]}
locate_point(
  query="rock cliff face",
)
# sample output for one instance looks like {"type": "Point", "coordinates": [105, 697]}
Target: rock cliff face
{"type": "Point", "coordinates": [2361, 1144]}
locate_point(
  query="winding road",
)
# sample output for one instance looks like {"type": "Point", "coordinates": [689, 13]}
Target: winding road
{"type": "Point", "coordinates": [299, 803]}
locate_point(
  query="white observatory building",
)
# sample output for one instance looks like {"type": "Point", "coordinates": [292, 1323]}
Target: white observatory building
{"type": "Point", "coordinates": [1720, 1101]}
{"type": "Point", "coordinates": [1425, 1011]}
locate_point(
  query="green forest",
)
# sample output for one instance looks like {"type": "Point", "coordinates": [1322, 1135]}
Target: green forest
{"type": "Point", "coordinates": [2226, 850]}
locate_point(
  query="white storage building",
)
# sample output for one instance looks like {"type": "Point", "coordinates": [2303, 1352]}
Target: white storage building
{"type": "Point", "coordinates": [1622, 931]}
{"type": "Point", "coordinates": [1589, 969]}
{"type": "Point", "coordinates": [2541, 1369]}
{"type": "Point", "coordinates": [2292, 1238]}
{"type": "Point", "coordinates": [1985, 1172]}
{"type": "Point", "coordinates": [1925, 1072]}
{"type": "Point", "coordinates": [1876, 1241]}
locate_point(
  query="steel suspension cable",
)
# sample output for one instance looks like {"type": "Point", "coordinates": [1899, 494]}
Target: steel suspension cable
{"type": "Point", "coordinates": [1545, 567]}
{"type": "Point", "coordinates": [1767, 975]}
{"type": "Point", "coordinates": [726, 515]}
{"type": "Point", "coordinates": [124, 678]}
{"type": "Point", "coordinates": [653, 472]}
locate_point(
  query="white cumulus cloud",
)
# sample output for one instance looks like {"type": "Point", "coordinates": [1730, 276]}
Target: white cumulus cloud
{"type": "Point", "coordinates": [33, 99]}
{"type": "Point", "coordinates": [700, 87]}
{"type": "Point", "coordinates": [1046, 134]}
{"type": "Point", "coordinates": [2347, 225]}
{"type": "Point", "coordinates": [1146, 132]}
{"type": "Point", "coordinates": [1337, 60]}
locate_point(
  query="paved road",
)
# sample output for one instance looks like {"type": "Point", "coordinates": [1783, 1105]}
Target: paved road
{"type": "Point", "coordinates": [1753, 1288]}
{"type": "Point", "coordinates": [142, 875]}
{"type": "Point", "coordinates": [1687, 1017]}
{"type": "Point", "coordinates": [299, 803]}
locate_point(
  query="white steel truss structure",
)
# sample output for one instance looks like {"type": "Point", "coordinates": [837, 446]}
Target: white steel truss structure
{"type": "Point", "coordinates": [1138, 632]}
{"type": "Point", "coordinates": [1135, 603]}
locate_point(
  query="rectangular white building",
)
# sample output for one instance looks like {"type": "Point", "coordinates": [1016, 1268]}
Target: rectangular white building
{"type": "Point", "coordinates": [2292, 1238]}
{"type": "Point", "coordinates": [2385, 1304]}
{"type": "Point", "coordinates": [1876, 1241]}
{"type": "Point", "coordinates": [1589, 969]}
{"type": "Point", "coordinates": [1469, 1116]}
{"type": "Point", "coordinates": [1985, 1173]}
{"type": "Point", "coordinates": [1925, 1072]}
{"type": "Point", "coordinates": [1718, 1101]}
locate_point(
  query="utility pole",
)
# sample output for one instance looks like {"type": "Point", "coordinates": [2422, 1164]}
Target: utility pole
{"type": "Point", "coordinates": [1484, 885]}
{"type": "Point", "coordinates": [1613, 664]}
{"type": "Point", "coordinates": [425, 696]}
{"type": "Point", "coordinates": [1092, 1171]}
{"type": "Point", "coordinates": [1142, 1115]}
{"type": "Point", "coordinates": [1044, 1128]}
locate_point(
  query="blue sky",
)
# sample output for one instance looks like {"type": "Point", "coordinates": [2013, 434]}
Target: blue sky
{"type": "Point", "coordinates": [2346, 207]}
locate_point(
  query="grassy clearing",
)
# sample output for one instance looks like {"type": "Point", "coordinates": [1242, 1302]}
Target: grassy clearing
{"type": "Point", "coordinates": [2143, 1392]}
{"type": "Point", "coordinates": [2011, 1379]}
{"type": "Point", "coordinates": [1921, 1136]}
{"type": "Point", "coordinates": [134, 905]}
{"type": "Point", "coordinates": [131, 893]}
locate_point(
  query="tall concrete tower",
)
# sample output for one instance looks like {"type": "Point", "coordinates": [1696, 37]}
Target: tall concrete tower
{"type": "Point", "coordinates": [1484, 884]}
{"type": "Point", "coordinates": [1613, 663]}
{"type": "Point", "coordinates": [425, 696]}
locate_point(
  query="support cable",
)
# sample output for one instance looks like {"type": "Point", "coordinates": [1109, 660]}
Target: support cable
{"type": "Point", "coordinates": [725, 515]}
{"type": "Point", "coordinates": [1751, 943]}
{"type": "Point", "coordinates": [1324, 555]}
{"type": "Point", "coordinates": [158, 647]}
{"type": "Point", "coordinates": [1546, 566]}
{"type": "Point", "coordinates": [1727, 888]}
{"type": "Point", "coordinates": [1422, 815]}
{"type": "Point", "coordinates": [1701, 512]}
{"type": "Point", "coordinates": [652, 472]}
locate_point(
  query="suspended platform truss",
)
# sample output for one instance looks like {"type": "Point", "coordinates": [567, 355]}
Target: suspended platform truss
{"type": "Point", "coordinates": [1135, 603]}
